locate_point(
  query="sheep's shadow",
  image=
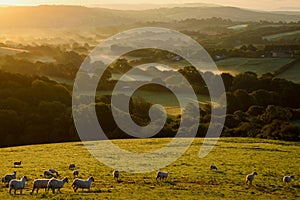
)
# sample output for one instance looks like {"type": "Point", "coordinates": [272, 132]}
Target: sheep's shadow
{"type": "Point", "coordinates": [219, 172]}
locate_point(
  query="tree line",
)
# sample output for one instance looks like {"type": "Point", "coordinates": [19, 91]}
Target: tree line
{"type": "Point", "coordinates": [34, 109]}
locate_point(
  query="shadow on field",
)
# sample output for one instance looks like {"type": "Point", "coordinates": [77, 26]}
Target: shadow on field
{"type": "Point", "coordinates": [257, 149]}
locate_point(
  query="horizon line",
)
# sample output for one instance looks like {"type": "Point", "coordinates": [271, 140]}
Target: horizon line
{"type": "Point", "coordinates": [149, 4]}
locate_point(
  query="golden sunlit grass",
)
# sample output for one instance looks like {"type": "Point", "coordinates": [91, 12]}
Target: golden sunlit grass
{"type": "Point", "coordinates": [190, 177]}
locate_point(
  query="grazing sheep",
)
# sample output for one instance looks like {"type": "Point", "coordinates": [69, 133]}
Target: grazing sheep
{"type": "Point", "coordinates": [8, 177]}
{"type": "Point", "coordinates": [17, 184]}
{"type": "Point", "coordinates": [287, 179]}
{"type": "Point", "coordinates": [213, 167]}
{"type": "Point", "coordinates": [75, 173]}
{"type": "Point", "coordinates": [53, 171]}
{"type": "Point", "coordinates": [48, 174]}
{"type": "Point", "coordinates": [71, 166]}
{"type": "Point", "coordinates": [39, 183]}
{"type": "Point", "coordinates": [17, 163]}
{"type": "Point", "coordinates": [83, 184]}
{"type": "Point", "coordinates": [56, 184]}
{"type": "Point", "coordinates": [162, 175]}
{"type": "Point", "coordinates": [250, 177]}
{"type": "Point", "coordinates": [116, 174]}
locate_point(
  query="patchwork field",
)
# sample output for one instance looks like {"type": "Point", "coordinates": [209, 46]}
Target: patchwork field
{"type": "Point", "coordinates": [189, 178]}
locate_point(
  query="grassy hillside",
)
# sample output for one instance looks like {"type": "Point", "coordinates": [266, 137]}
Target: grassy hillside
{"type": "Point", "coordinates": [190, 177]}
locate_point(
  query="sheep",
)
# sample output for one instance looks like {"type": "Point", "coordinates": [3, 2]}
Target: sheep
{"type": "Point", "coordinates": [116, 174]}
{"type": "Point", "coordinates": [79, 183]}
{"type": "Point", "coordinates": [53, 171]}
{"type": "Point", "coordinates": [213, 167]}
{"type": "Point", "coordinates": [250, 177]}
{"type": "Point", "coordinates": [8, 177]}
{"type": "Point", "coordinates": [162, 175]}
{"type": "Point", "coordinates": [54, 183]}
{"type": "Point", "coordinates": [39, 183]}
{"type": "Point", "coordinates": [287, 179]}
{"type": "Point", "coordinates": [72, 166]}
{"type": "Point", "coordinates": [17, 184]}
{"type": "Point", "coordinates": [75, 173]}
{"type": "Point", "coordinates": [17, 163]}
{"type": "Point", "coordinates": [48, 174]}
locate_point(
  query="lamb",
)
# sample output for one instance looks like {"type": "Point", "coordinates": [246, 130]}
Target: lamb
{"type": "Point", "coordinates": [39, 183]}
{"type": "Point", "coordinates": [53, 171]}
{"type": "Point", "coordinates": [48, 174]}
{"type": "Point", "coordinates": [162, 175]}
{"type": "Point", "coordinates": [116, 174]}
{"type": "Point", "coordinates": [213, 167]}
{"type": "Point", "coordinates": [79, 183]}
{"type": "Point", "coordinates": [17, 163]}
{"type": "Point", "coordinates": [17, 184]}
{"type": "Point", "coordinates": [8, 177]}
{"type": "Point", "coordinates": [72, 166]}
{"type": "Point", "coordinates": [56, 184]}
{"type": "Point", "coordinates": [287, 179]}
{"type": "Point", "coordinates": [250, 177]}
{"type": "Point", "coordinates": [75, 173]}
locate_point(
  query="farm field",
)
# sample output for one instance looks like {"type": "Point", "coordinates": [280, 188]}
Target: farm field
{"type": "Point", "coordinates": [292, 74]}
{"type": "Point", "coordinates": [282, 35]}
{"type": "Point", "coordinates": [10, 51]}
{"type": "Point", "coordinates": [166, 99]}
{"type": "Point", "coordinates": [189, 178]}
{"type": "Point", "coordinates": [257, 65]}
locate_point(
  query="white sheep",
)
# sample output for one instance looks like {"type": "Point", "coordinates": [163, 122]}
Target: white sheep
{"type": "Point", "coordinates": [250, 177]}
{"type": "Point", "coordinates": [213, 167]}
{"type": "Point", "coordinates": [72, 166]}
{"type": "Point", "coordinates": [39, 183]}
{"type": "Point", "coordinates": [48, 174]}
{"type": "Point", "coordinates": [8, 177]}
{"type": "Point", "coordinates": [17, 184]}
{"type": "Point", "coordinates": [162, 175]}
{"type": "Point", "coordinates": [17, 163]}
{"type": "Point", "coordinates": [75, 173]}
{"type": "Point", "coordinates": [56, 184]}
{"type": "Point", "coordinates": [53, 171]}
{"type": "Point", "coordinates": [116, 174]}
{"type": "Point", "coordinates": [83, 184]}
{"type": "Point", "coordinates": [287, 179]}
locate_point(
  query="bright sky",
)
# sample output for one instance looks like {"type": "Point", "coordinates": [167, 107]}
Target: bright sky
{"type": "Point", "coordinates": [259, 4]}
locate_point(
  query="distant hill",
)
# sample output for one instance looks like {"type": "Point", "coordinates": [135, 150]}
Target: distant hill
{"type": "Point", "coordinates": [81, 17]}
{"type": "Point", "coordinates": [149, 6]}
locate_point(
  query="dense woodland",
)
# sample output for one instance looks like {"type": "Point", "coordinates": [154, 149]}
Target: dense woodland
{"type": "Point", "coordinates": [35, 109]}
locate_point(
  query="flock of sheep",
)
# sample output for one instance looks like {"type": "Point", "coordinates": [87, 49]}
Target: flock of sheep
{"type": "Point", "coordinates": [250, 177]}
{"type": "Point", "coordinates": [54, 183]}
{"type": "Point", "coordinates": [47, 184]}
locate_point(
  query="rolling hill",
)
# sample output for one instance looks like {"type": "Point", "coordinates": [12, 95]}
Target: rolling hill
{"type": "Point", "coordinates": [78, 16]}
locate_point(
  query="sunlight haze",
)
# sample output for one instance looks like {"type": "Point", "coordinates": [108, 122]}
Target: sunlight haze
{"type": "Point", "coordinates": [261, 5]}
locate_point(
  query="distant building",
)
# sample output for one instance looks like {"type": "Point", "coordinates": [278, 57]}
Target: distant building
{"type": "Point", "coordinates": [282, 54]}
{"type": "Point", "coordinates": [218, 57]}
